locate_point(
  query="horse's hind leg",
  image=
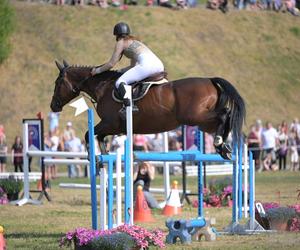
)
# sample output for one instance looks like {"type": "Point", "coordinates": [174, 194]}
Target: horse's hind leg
{"type": "Point", "coordinates": [221, 135]}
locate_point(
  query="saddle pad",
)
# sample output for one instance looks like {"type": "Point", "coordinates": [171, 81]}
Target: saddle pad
{"type": "Point", "coordinates": [139, 90]}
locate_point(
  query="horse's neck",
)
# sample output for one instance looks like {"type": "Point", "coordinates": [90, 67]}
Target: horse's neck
{"type": "Point", "coordinates": [96, 89]}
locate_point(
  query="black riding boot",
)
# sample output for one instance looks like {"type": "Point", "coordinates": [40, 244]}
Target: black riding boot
{"type": "Point", "coordinates": [126, 102]}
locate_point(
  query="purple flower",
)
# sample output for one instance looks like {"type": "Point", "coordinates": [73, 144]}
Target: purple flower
{"type": "Point", "coordinates": [227, 190]}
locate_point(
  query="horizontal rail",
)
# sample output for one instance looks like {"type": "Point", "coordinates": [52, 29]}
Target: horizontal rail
{"type": "Point", "coordinates": [88, 186]}
{"type": "Point", "coordinates": [57, 154]}
{"type": "Point", "coordinates": [170, 157]}
{"type": "Point", "coordinates": [66, 161]}
{"type": "Point", "coordinates": [20, 176]}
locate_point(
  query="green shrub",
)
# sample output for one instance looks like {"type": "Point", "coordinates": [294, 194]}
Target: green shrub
{"type": "Point", "coordinates": [117, 241]}
{"type": "Point", "coordinates": [11, 185]}
{"type": "Point", "coordinates": [6, 28]}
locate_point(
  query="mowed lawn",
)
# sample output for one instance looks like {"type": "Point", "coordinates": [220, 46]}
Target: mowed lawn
{"type": "Point", "coordinates": [40, 227]}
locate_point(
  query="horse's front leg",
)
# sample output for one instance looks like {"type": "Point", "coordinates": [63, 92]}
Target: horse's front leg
{"type": "Point", "coordinates": [99, 131]}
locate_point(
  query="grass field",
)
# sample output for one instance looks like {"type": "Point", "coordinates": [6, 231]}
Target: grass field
{"type": "Point", "coordinates": [40, 227]}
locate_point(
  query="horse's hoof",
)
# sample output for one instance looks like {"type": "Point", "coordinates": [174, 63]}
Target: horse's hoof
{"type": "Point", "coordinates": [226, 148]}
{"type": "Point", "coordinates": [225, 151]}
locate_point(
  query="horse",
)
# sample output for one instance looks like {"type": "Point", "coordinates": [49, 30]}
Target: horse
{"type": "Point", "coordinates": [212, 104]}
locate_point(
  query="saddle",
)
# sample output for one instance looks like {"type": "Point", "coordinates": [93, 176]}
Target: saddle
{"type": "Point", "coordinates": [141, 88]}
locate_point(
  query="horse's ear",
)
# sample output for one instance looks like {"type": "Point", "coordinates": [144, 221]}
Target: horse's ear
{"type": "Point", "coordinates": [59, 66]}
{"type": "Point", "coordinates": [65, 63]}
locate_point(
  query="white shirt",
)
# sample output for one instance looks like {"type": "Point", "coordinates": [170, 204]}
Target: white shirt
{"type": "Point", "coordinates": [55, 142]}
{"type": "Point", "coordinates": [269, 137]}
{"type": "Point", "coordinates": [119, 141]}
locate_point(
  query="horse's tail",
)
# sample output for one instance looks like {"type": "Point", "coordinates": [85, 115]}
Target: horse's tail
{"type": "Point", "coordinates": [229, 97]}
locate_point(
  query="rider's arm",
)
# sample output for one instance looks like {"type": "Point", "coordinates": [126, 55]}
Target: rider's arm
{"type": "Point", "coordinates": [113, 60]}
{"type": "Point", "coordinates": [151, 171]}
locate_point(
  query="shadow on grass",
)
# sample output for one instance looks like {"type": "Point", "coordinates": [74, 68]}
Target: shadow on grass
{"type": "Point", "coordinates": [31, 235]}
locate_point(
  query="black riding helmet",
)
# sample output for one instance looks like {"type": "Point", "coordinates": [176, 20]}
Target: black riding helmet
{"type": "Point", "coordinates": [121, 29]}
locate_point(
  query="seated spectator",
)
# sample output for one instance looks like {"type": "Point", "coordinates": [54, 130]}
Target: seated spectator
{"type": "Point", "coordinates": [143, 176]}
{"type": "Point", "coordinates": [181, 4]}
{"type": "Point", "coordinates": [290, 6]}
{"type": "Point", "coordinates": [166, 3]}
{"type": "Point", "coordinates": [140, 143]}
{"type": "Point", "coordinates": [17, 154]}
{"type": "Point", "coordinates": [277, 5]}
{"type": "Point", "coordinates": [218, 4]}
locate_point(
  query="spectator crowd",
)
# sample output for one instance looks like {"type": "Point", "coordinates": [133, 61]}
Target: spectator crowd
{"type": "Point", "coordinates": [291, 6]}
{"type": "Point", "coordinates": [273, 146]}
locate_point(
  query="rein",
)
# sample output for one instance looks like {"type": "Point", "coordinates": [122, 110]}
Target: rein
{"type": "Point", "coordinates": [77, 90]}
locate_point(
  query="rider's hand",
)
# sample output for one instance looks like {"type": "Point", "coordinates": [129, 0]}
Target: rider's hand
{"type": "Point", "coordinates": [95, 71]}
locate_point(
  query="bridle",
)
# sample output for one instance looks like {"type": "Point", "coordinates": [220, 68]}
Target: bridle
{"type": "Point", "coordinates": [74, 89]}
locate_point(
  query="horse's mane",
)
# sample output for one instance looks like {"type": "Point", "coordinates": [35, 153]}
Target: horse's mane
{"type": "Point", "coordinates": [109, 74]}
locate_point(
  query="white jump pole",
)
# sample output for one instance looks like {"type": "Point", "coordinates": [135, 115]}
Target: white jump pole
{"type": "Point", "coordinates": [129, 160]}
{"type": "Point", "coordinates": [246, 169]}
{"type": "Point", "coordinates": [119, 186]}
{"type": "Point", "coordinates": [103, 209]}
{"type": "Point", "coordinates": [166, 166]}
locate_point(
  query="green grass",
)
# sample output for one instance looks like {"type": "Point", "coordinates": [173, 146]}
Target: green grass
{"type": "Point", "coordinates": [40, 227]}
{"type": "Point", "coordinates": [259, 52]}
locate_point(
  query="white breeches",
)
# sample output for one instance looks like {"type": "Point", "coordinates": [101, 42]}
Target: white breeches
{"type": "Point", "coordinates": [146, 66]}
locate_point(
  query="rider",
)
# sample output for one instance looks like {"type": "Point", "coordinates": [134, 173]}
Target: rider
{"type": "Point", "coordinates": [144, 62]}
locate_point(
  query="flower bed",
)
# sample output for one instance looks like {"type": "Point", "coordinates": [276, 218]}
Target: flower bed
{"type": "Point", "coordinates": [283, 218]}
{"type": "Point", "coordinates": [218, 194]}
{"type": "Point", "coordinates": [123, 237]}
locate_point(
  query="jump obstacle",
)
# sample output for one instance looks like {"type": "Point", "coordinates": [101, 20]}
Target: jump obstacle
{"type": "Point", "coordinates": [238, 208]}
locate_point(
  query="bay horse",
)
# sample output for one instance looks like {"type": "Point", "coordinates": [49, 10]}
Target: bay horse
{"type": "Point", "coordinates": [212, 104]}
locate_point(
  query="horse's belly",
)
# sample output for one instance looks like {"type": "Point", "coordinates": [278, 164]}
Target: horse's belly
{"type": "Point", "coordinates": [154, 125]}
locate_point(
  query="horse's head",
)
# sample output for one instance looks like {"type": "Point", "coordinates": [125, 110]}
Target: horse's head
{"type": "Point", "coordinates": [67, 86]}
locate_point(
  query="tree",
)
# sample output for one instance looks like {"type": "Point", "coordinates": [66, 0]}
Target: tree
{"type": "Point", "coordinates": [6, 28]}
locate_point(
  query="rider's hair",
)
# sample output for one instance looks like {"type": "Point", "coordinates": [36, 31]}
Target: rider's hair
{"type": "Point", "coordinates": [128, 37]}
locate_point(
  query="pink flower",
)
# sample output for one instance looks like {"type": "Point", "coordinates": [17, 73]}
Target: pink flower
{"type": "Point", "coordinates": [295, 225]}
{"type": "Point", "coordinates": [296, 207]}
{"type": "Point", "coordinates": [215, 200]}
{"type": "Point", "coordinates": [269, 205]}
{"type": "Point", "coordinates": [195, 203]}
